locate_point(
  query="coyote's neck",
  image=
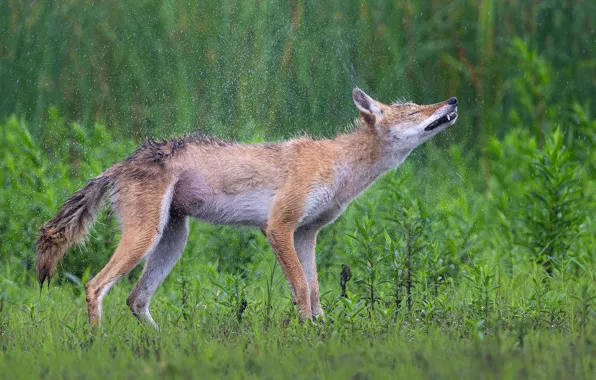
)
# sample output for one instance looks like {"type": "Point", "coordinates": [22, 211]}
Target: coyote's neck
{"type": "Point", "coordinates": [363, 158]}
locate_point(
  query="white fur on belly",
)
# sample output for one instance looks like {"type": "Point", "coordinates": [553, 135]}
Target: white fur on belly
{"type": "Point", "coordinates": [248, 208]}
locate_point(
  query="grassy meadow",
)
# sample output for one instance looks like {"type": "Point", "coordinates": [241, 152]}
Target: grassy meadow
{"type": "Point", "coordinates": [475, 259]}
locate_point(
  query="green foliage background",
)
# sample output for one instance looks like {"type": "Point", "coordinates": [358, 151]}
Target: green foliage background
{"type": "Point", "coordinates": [279, 68]}
{"type": "Point", "coordinates": [483, 244]}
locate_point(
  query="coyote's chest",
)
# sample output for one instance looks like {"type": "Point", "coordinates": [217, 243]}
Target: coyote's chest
{"type": "Point", "coordinates": [318, 202]}
{"type": "Point", "coordinates": [326, 202]}
{"type": "Point", "coordinates": [323, 205]}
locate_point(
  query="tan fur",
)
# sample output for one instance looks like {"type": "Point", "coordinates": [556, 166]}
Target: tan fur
{"type": "Point", "coordinates": [139, 210]}
{"type": "Point", "coordinates": [289, 190]}
{"type": "Point", "coordinates": [69, 226]}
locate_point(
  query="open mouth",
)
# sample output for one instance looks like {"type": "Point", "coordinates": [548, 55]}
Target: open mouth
{"type": "Point", "coordinates": [451, 116]}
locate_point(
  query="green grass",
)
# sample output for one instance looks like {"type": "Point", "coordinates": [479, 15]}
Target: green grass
{"type": "Point", "coordinates": [49, 337]}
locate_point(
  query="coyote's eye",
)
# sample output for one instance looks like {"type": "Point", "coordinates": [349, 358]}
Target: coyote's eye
{"type": "Point", "coordinates": [413, 113]}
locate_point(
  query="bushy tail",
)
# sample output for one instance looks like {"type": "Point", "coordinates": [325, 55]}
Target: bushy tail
{"type": "Point", "coordinates": [69, 226]}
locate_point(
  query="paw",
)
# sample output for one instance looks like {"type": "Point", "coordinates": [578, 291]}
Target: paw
{"type": "Point", "coordinates": [318, 319]}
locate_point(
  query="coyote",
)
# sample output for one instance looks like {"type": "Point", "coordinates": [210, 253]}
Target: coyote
{"type": "Point", "coordinates": [289, 190]}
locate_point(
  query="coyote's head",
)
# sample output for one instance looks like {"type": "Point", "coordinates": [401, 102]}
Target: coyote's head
{"type": "Point", "coordinates": [405, 125]}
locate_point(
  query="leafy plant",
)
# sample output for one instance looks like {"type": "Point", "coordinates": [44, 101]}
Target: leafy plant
{"type": "Point", "coordinates": [367, 260]}
{"type": "Point", "coordinates": [555, 211]}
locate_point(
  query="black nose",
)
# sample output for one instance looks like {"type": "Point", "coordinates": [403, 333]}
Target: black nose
{"type": "Point", "coordinates": [452, 101]}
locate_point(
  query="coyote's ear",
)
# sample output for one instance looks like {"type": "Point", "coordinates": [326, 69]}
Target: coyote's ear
{"type": "Point", "coordinates": [369, 108]}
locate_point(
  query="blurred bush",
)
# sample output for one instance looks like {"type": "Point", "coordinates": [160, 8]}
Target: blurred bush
{"type": "Point", "coordinates": [38, 174]}
{"type": "Point", "coordinates": [279, 68]}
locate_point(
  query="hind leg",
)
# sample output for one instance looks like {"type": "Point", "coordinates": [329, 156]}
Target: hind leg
{"type": "Point", "coordinates": [143, 216]}
{"type": "Point", "coordinates": [158, 265]}
{"type": "Point", "coordinates": [129, 253]}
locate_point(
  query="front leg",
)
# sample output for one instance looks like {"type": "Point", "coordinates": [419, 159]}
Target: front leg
{"type": "Point", "coordinates": [281, 239]}
{"type": "Point", "coordinates": [305, 240]}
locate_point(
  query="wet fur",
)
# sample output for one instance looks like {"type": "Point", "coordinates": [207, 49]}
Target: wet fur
{"type": "Point", "coordinates": [68, 227]}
